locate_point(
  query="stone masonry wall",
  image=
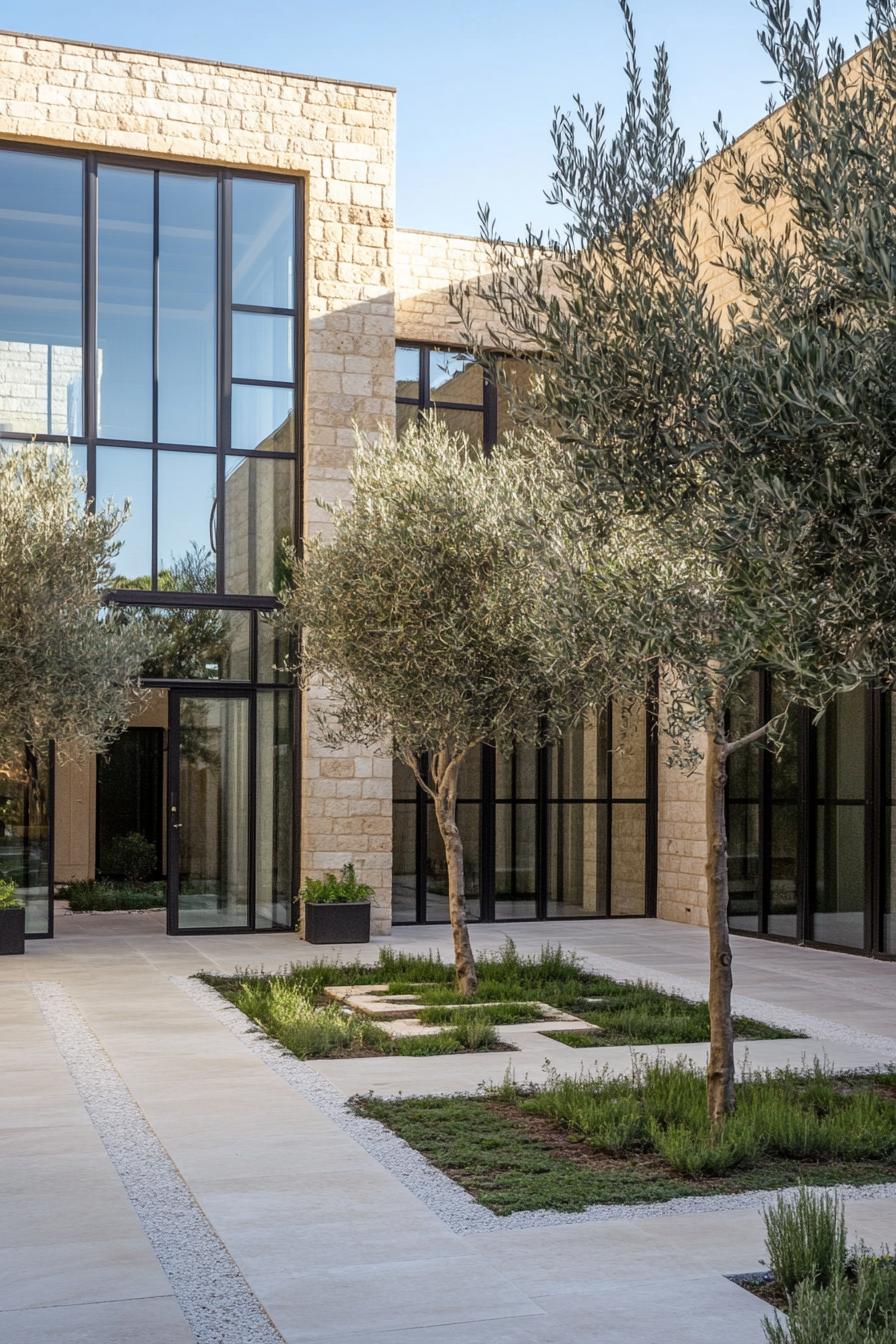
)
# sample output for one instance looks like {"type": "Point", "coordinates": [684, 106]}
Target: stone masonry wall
{"type": "Point", "coordinates": [339, 137]}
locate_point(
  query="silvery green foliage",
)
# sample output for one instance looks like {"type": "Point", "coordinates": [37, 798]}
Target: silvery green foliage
{"type": "Point", "coordinates": [750, 450]}
{"type": "Point", "coordinates": [68, 670]}
{"type": "Point", "coordinates": [445, 606]}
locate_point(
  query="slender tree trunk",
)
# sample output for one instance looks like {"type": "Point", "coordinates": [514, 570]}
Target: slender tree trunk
{"type": "Point", "coordinates": [445, 773]}
{"type": "Point", "coordinates": [720, 1069]}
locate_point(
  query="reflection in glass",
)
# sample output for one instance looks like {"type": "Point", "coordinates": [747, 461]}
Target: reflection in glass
{"type": "Point", "coordinates": [126, 474]}
{"type": "Point", "coordinates": [782, 895]}
{"type": "Point", "coordinates": [263, 243]}
{"type": "Point", "coordinates": [258, 520]}
{"type": "Point", "coordinates": [436, 871]}
{"type": "Point", "coordinates": [470, 423]}
{"type": "Point", "coordinates": [405, 416]}
{"type": "Point", "coordinates": [407, 371]}
{"type": "Point", "coordinates": [744, 895]}
{"type": "Point", "coordinates": [187, 308]}
{"type": "Point", "coordinates": [274, 810]}
{"type": "Point", "coordinates": [577, 859]}
{"type": "Point", "coordinates": [25, 836]}
{"type": "Point", "coordinates": [515, 861]}
{"type": "Point", "coordinates": [262, 417]}
{"type": "Point", "coordinates": [578, 763]}
{"type": "Point", "coordinates": [404, 863]}
{"type": "Point", "coordinates": [404, 785]}
{"type": "Point", "coordinates": [839, 913]}
{"type": "Point", "coordinates": [124, 303]}
{"type": "Point", "coordinates": [41, 240]}
{"type": "Point", "coordinates": [454, 376]}
{"type": "Point", "coordinates": [629, 759]}
{"type": "Point", "coordinates": [273, 651]}
{"type": "Point", "coordinates": [197, 643]}
{"type": "Point", "coordinates": [213, 807]}
{"type": "Point", "coordinates": [263, 347]}
{"type": "Point", "coordinates": [516, 776]}
{"type": "Point", "coordinates": [187, 522]}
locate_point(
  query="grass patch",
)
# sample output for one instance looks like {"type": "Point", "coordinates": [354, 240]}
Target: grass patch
{"type": "Point", "coordinates": [581, 1141]}
{"type": "Point", "coordinates": [622, 1013]}
{"type": "Point", "coordinates": [312, 1029]}
{"type": "Point", "coordinates": [89, 896]}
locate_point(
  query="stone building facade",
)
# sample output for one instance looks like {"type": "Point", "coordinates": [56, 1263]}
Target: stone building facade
{"type": "Point", "coordinates": [222, 745]}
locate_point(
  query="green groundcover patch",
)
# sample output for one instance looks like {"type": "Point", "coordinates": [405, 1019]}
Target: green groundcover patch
{"type": "Point", "coordinates": [605, 1140]}
{"type": "Point", "coordinates": [90, 896]}
{"type": "Point", "coordinates": [290, 1006]}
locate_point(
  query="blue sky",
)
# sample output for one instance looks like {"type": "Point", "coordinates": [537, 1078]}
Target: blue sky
{"type": "Point", "coordinates": [477, 79]}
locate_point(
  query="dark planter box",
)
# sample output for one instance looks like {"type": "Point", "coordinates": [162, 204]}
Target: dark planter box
{"type": "Point", "coordinates": [12, 932]}
{"type": "Point", "coordinates": [348, 922]}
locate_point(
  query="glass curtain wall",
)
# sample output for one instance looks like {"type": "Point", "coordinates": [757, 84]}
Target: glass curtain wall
{"type": "Point", "coordinates": [150, 322]}
{"type": "Point", "coordinates": [557, 833]}
{"type": "Point", "coordinates": [810, 823]}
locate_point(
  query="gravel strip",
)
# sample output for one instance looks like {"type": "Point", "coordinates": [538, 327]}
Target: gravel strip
{"type": "Point", "coordinates": [432, 1187]}
{"type": "Point", "coordinates": [458, 1209]}
{"type": "Point", "coordinates": [218, 1304]}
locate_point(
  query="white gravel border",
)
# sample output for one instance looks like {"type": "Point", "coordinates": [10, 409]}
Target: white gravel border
{"type": "Point", "coordinates": [217, 1302]}
{"type": "Point", "coordinates": [454, 1205]}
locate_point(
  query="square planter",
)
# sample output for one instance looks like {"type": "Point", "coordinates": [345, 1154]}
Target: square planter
{"type": "Point", "coordinates": [12, 932]}
{"type": "Point", "coordinates": [329, 922]}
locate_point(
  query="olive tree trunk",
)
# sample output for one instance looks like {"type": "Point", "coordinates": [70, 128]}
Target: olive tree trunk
{"type": "Point", "coordinates": [720, 1069]}
{"type": "Point", "coordinates": [444, 774]}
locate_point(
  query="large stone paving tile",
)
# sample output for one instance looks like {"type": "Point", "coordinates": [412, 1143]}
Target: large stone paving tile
{"type": "Point", "coordinates": [79, 1271]}
{"type": "Point", "coordinates": [143, 1321]}
{"type": "Point", "coordinates": [389, 1297]}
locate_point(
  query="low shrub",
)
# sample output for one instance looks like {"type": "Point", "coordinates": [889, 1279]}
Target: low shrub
{"type": "Point", "coordinates": [8, 898]}
{"type": "Point", "coordinates": [286, 1012]}
{"type": "Point", "coordinates": [806, 1239]}
{"type": "Point", "coordinates": [130, 856]}
{"type": "Point", "coordinates": [332, 890]}
{"type": "Point", "coordinates": [474, 1032]}
{"type": "Point", "coordinates": [856, 1307]}
{"type": "Point", "coordinates": [90, 896]}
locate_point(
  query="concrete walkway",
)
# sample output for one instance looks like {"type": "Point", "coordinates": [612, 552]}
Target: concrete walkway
{"type": "Point", "coordinates": [135, 1126]}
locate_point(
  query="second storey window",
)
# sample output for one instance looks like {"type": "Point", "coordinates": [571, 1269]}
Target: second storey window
{"type": "Point", "coordinates": [149, 317]}
{"type": "Point", "coordinates": [448, 382]}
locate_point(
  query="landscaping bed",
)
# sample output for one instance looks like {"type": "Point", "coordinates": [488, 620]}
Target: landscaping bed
{"type": "Point", "coordinates": [605, 1140]}
{"type": "Point", "coordinates": [90, 896]}
{"type": "Point", "coordinates": [297, 1007]}
{"type": "Point", "coordinates": [821, 1291]}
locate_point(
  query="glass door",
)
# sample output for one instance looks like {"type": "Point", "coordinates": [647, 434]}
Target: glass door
{"type": "Point", "coordinates": [209, 811]}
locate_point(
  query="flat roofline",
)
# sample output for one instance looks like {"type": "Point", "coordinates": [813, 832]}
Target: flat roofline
{"type": "Point", "coordinates": [195, 60]}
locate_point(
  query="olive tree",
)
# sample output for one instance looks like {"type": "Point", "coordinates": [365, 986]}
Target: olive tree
{"type": "Point", "coordinates": [713, 343]}
{"type": "Point", "coordinates": [68, 668]}
{"type": "Point", "coordinates": [437, 615]}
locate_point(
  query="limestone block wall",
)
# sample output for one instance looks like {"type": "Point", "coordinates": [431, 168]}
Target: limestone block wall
{"type": "Point", "coordinates": [426, 265]}
{"type": "Point", "coordinates": [338, 137]}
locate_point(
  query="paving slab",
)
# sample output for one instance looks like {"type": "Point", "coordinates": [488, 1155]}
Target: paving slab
{"type": "Point", "coordinates": [331, 1242]}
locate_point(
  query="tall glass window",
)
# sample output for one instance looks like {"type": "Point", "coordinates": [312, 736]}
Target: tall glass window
{"type": "Point", "coordinates": [125, 303]}
{"type": "Point", "coordinates": [41, 293]}
{"type": "Point", "coordinates": [188, 254]}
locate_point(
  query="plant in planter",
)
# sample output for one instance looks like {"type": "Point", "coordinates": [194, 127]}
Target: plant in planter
{"type": "Point", "coordinates": [336, 909]}
{"type": "Point", "coordinates": [12, 920]}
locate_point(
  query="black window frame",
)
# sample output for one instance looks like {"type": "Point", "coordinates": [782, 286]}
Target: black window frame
{"type": "Point", "coordinates": [808, 802]}
{"type": "Point", "coordinates": [221, 450]}
{"type": "Point", "coordinates": [254, 603]}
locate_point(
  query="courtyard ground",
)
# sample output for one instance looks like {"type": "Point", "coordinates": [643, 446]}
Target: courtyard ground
{"type": "Point", "coordinates": [166, 1177]}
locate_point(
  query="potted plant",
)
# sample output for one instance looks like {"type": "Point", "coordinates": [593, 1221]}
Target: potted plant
{"type": "Point", "coordinates": [12, 920]}
{"type": "Point", "coordinates": [336, 909]}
